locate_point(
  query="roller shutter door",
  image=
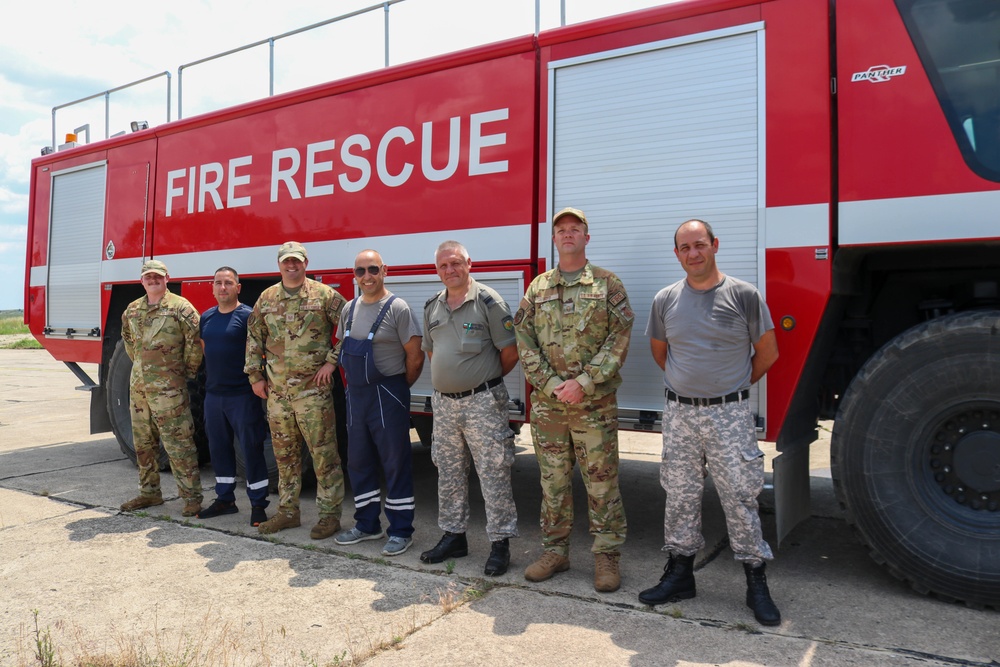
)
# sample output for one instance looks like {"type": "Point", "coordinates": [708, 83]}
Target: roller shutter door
{"type": "Point", "coordinates": [642, 141]}
{"type": "Point", "coordinates": [76, 235]}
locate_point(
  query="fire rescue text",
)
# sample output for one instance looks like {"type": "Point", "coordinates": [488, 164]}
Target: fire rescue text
{"type": "Point", "coordinates": [228, 186]}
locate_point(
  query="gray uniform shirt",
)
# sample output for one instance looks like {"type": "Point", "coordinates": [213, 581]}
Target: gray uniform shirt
{"type": "Point", "coordinates": [398, 327]}
{"type": "Point", "coordinates": [466, 342]}
{"type": "Point", "coordinates": [709, 334]}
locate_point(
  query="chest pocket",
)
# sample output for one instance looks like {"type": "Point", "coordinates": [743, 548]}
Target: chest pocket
{"type": "Point", "coordinates": [592, 311]}
{"type": "Point", "coordinates": [473, 335]}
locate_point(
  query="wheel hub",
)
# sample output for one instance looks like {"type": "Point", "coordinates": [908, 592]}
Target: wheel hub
{"type": "Point", "coordinates": [965, 458]}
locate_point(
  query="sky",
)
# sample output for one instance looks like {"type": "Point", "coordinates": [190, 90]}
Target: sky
{"type": "Point", "coordinates": [56, 52]}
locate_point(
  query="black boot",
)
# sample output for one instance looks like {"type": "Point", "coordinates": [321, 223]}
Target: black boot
{"type": "Point", "coordinates": [499, 558]}
{"type": "Point", "coordinates": [759, 597]}
{"type": "Point", "coordinates": [677, 582]}
{"type": "Point", "coordinates": [451, 545]}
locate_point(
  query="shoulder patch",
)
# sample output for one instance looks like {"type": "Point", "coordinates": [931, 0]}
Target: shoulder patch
{"type": "Point", "coordinates": [517, 317]}
{"type": "Point", "coordinates": [616, 297]}
{"type": "Point", "coordinates": [508, 322]}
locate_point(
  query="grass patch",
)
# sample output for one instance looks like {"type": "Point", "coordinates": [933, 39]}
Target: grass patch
{"type": "Point", "coordinates": [210, 642]}
{"type": "Point", "coordinates": [12, 325]}
{"type": "Point", "coordinates": [23, 344]}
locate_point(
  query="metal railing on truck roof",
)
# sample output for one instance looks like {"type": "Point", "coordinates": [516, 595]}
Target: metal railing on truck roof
{"type": "Point", "coordinates": [270, 41]}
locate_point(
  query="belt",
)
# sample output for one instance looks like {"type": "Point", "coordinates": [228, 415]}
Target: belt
{"type": "Point", "coordinates": [483, 387]}
{"type": "Point", "coordinates": [704, 402]}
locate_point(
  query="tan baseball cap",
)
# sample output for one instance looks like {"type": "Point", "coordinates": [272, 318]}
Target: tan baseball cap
{"type": "Point", "coordinates": [569, 210]}
{"type": "Point", "coordinates": [153, 266]}
{"type": "Point", "coordinates": [292, 249]}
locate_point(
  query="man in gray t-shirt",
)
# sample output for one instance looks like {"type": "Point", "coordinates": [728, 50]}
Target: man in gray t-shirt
{"type": "Point", "coordinates": [381, 357]}
{"type": "Point", "coordinates": [713, 336]}
{"type": "Point", "coordinates": [469, 337]}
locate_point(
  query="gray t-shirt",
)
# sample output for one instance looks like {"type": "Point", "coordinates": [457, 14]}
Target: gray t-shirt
{"type": "Point", "coordinates": [398, 327]}
{"type": "Point", "coordinates": [709, 334]}
{"type": "Point", "coordinates": [465, 342]}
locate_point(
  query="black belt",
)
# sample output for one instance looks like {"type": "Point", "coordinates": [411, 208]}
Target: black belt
{"type": "Point", "coordinates": [703, 402]}
{"type": "Point", "coordinates": [483, 387]}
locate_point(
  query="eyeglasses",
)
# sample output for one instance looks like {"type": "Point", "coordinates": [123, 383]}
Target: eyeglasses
{"type": "Point", "coordinates": [373, 270]}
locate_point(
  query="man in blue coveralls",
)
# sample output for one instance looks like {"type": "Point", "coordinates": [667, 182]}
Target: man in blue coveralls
{"type": "Point", "coordinates": [230, 404]}
{"type": "Point", "coordinates": [381, 357]}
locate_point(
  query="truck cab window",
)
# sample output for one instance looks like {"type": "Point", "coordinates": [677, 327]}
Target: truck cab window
{"type": "Point", "coordinates": [958, 43]}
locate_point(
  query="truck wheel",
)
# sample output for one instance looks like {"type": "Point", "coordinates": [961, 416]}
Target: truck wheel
{"type": "Point", "coordinates": [424, 426]}
{"type": "Point", "coordinates": [196, 394]}
{"type": "Point", "coordinates": [119, 410]}
{"type": "Point", "coordinates": [916, 457]}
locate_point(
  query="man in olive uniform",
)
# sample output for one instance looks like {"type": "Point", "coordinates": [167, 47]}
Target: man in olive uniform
{"type": "Point", "coordinates": [572, 331]}
{"type": "Point", "coordinates": [290, 360]}
{"type": "Point", "coordinates": [160, 333]}
{"type": "Point", "coordinates": [469, 337]}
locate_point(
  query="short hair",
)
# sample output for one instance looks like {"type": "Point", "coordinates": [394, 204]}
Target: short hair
{"type": "Point", "coordinates": [230, 269]}
{"type": "Point", "coordinates": [708, 228]}
{"type": "Point", "coordinates": [451, 245]}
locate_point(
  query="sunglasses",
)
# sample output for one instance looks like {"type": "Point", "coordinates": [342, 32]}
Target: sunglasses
{"type": "Point", "coordinates": [373, 270]}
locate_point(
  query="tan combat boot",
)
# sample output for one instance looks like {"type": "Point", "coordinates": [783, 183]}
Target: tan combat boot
{"type": "Point", "coordinates": [281, 520]}
{"type": "Point", "coordinates": [191, 507]}
{"type": "Point", "coordinates": [607, 579]}
{"type": "Point", "coordinates": [141, 502]}
{"type": "Point", "coordinates": [549, 564]}
{"type": "Point", "coordinates": [327, 526]}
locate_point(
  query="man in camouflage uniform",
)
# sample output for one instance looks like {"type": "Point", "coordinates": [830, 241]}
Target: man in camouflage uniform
{"type": "Point", "coordinates": [573, 330]}
{"type": "Point", "coordinates": [469, 337]}
{"type": "Point", "coordinates": [290, 360]}
{"type": "Point", "coordinates": [160, 333]}
{"type": "Point", "coordinates": [713, 336]}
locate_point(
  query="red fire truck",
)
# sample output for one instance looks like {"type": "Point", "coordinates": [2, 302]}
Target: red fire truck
{"type": "Point", "coordinates": [847, 154]}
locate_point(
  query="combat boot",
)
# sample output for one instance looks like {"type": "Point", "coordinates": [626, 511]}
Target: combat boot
{"type": "Point", "coordinates": [451, 545]}
{"type": "Point", "coordinates": [759, 597]}
{"type": "Point", "coordinates": [607, 578]}
{"type": "Point", "coordinates": [545, 567]}
{"type": "Point", "coordinates": [141, 502]}
{"type": "Point", "coordinates": [191, 507]}
{"type": "Point", "coordinates": [499, 559]}
{"type": "Point", "coordinates": [281, 520]}
{"type": "Point", "coordinates": [327, 526]}
{"type": "Point", "coordinates": [677, 582]}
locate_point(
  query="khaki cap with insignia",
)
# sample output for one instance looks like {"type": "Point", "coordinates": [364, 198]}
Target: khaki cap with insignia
{"type": "Point", "coordinates": [292, 249]}
{"type": "Point", "coordinates": [153, 266]}
{"type": "Point", "coordinates": [569, 210]}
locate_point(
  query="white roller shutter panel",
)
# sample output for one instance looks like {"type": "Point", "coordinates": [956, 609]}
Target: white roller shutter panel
{"type": "Point", "coordinates": [643, 141]}
{"type": "Point", "coordinates": [76, 236]}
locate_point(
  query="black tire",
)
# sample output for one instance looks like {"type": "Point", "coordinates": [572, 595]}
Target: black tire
{"type": "Point", "coordinates": [424, 426]}
{"type": "Point", "coordinates": [119, 410]}
{"type": "Point", "coordinates": [915, 457]}
{"type": "Point", "coordinates": [196, 394]}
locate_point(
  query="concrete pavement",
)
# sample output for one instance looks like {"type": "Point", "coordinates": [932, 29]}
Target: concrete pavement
{"type": "Point", "coordinates": [109, 583]}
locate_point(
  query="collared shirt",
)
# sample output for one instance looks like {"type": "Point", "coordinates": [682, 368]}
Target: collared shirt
{"type": "Point", "coordinates": [163, 343]}
{"type": "Point", "coordinates": [289, 337]}
{"type": "Point", "coordinates": [576, 330]}
{"type": "Point", "coordinates": [466, 341]}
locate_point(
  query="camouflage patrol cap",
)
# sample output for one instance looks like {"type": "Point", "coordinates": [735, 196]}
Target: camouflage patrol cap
{"type": "Point", "coordinates": [153, 266]}
{"type": "Point", "coordinates": [569, 210]}
{"type": "Point", "coordinates": [292, 249]}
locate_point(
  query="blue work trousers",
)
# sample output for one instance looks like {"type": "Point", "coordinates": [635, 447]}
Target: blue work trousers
{"type": "Point", "coordinates": [378, 437]}
{"type": "Point", "coordinates": [242, 416]}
